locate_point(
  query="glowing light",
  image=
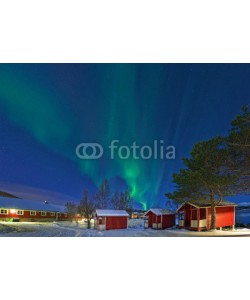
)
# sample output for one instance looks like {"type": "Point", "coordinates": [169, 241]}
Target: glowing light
{"type": "Point", "coordinates": [129, 103]}
{"type": "Point", "coordinates": [12, 211]}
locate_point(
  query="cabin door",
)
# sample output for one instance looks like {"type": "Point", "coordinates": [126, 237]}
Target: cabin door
{"type": "Point", "coordinates": [187, 218]}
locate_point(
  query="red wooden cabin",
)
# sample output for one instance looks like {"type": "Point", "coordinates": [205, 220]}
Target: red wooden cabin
{"type": "Point", "coordinates": [158, 218]}
{"type": "Point", "coordinates": [111, 219]}
{"type": "Point", "coordinates": [197, 216]}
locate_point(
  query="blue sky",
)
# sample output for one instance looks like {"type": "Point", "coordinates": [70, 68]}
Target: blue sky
{"type": "Point", "coordinates": [46, 110]}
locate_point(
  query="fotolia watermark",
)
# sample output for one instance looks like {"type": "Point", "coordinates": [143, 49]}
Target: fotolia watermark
{"type": "Point", "coordinates": [156, 151]}
{"type": "Point", "coordinates": [95, 151]}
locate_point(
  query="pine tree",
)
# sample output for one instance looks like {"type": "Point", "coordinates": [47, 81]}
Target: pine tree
{"type": "Point", "coordinates": [206, 177]}
{"type": "Point", "coordinates": [238, 143]}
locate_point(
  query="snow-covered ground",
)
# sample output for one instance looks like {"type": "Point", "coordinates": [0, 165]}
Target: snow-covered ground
{"type": "Point", "coordinates": [72, 229]}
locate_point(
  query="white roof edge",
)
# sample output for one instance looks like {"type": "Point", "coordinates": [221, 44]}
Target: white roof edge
{"type": "Point", "coordinates": [111, 213]}
{"type": "Point", "coordinates": [158, 214]}
{"type": "Point", "coordinates": [26, 204]}
{"type": "Point", "coordinates": [186, 202]}
{"type": "Point", "coordinates": [192, 204]}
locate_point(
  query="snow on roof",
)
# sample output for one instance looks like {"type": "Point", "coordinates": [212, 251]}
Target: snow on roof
{"type": "Point", "coordinates": [205, 204]}
{"type": "Point", "coordinates": [111, 213]}
{"type": "Point", "coordinates": [24, 204]}
{"type": "Point", "coordinates": [160, 211]}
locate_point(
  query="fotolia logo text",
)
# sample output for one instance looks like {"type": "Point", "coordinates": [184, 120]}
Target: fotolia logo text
{"type": "Point", "coordinates": [156, 151]}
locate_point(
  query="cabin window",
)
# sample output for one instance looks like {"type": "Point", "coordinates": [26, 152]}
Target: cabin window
{"type": "Point", "coordinates": [4, 211]}
{"type": "Point", "coordinates": [19, 212]}
{"type": "Point", "coordinates": [32, 212]}
{"type": "Point", "coordinates": [181, 215]}
{"type": "Point", "coordinates": [52, 214]}
{"type": "Point", "coordinates": [100, 221]}
{"type": "Point", "coordinates": [43, 213]}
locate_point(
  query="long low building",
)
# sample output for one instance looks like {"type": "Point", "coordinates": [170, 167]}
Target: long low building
{"type": "Point", "coordinates": [15, 209]}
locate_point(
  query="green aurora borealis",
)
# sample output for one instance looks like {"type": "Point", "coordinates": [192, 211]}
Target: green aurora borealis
{"type": "Point", "coordinates": [60, 106]}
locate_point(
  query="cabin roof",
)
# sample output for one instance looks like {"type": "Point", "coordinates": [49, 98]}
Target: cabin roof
{"type": "Point", "coordinates": [160, 211]}
{"type": "Point", "coordinates": [24, 204]}
{"type": "Point", "coordinates": [199, 204]}
{"type": "Point", "coordinates": [111, 213]}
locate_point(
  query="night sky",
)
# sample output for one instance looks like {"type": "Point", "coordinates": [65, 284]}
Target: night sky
{"type": "Point", "coordinates": [46, 110]}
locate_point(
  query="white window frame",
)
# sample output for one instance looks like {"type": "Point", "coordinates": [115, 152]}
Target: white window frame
{"type": "Point", "coordinates": [43, 213]}
{"type": "Point", "coordinates": [52, 214]}
{"type": "Point", "coordinates": [4, 213]}
{"type": "Point", "coordinates": [31, 213]}
{"type": "Point", "coordinates": [18, 212]}
{"type": "Point", "coordinates": [181, 216]}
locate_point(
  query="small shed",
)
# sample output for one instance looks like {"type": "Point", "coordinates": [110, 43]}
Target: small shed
{"type": "Point", "coordinates": [158, 218]}
{"type": "Point", "coordinates": [197, 215]}
{"type": "Point", "coordinates": [111, 219]}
